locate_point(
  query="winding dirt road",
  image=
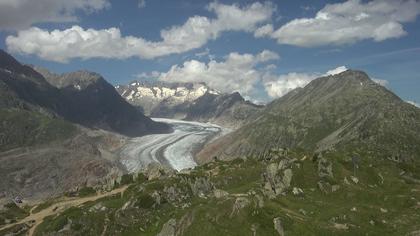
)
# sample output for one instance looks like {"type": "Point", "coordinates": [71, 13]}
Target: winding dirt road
{"type": "Point", "coordinates": [35, 219]}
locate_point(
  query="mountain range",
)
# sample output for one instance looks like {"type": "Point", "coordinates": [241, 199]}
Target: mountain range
{"type": "Point", "coordinates": [189, 101]}
{"type": "Point", "coordinates": [337, 157]}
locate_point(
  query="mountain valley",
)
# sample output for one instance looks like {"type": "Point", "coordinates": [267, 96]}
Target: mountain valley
{"type": "Point", "coordinates": [337, 157]}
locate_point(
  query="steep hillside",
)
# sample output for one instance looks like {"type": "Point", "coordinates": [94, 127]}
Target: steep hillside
{"type": "Point", "coordinates": [44, 150]}
{"type": "Point", "coordinates": [345, 111]}
{"type": "Point", "coordinates": [228, 110]}
{"type": "Point", "coordinates": [286, 193]}
{"type": "Point", "coordinates": [28, 107]}
{"type": "Point", "coordinates": [93, 102]}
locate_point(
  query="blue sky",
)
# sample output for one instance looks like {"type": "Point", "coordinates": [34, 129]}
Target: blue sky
{"type": "Point", "coordinates": [261, 49]}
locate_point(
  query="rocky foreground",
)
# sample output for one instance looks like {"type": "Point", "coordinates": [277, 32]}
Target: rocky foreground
{"type": "Point", "coordinates": [280, 193]}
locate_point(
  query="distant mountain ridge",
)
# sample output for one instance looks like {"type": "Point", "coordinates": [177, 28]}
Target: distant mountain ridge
{"type": "Point", "coordinates": [345, 111]}
{"type": "Point", "coordinates": [93, 102]}
{"type": "Point", "coordinates": [188, 101]}
{"type": "Point", "coordinates": [148, 95]}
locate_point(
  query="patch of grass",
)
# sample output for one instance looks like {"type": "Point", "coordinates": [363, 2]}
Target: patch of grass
{"type": "Point", "coordinates": [44, 205]}
{"type": "Point", "coordinates": [13, 213]}
{"type": "Point", "coordinates": [26, 128]}
{"type": "Point", "coordinates": [86, 191]}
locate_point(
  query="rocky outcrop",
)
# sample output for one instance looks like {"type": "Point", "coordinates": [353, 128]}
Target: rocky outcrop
{"type": "Point", "coordinates": [278, 226]}
{"type": "Point", "coordinates": [324, 168]}
{"type": "Point", "coordinates": [277, 178]}
{"type": "Point", "coordinates": [240, 203]}
{"type": "Point", "coordinates": [325, 173]}
{"type": "Point", "coordinates": [218, 193]}
{"type": "Point", "coordinates": [201, 186]}
{"type": "Point", "coordinates": [177, 228]}
{"type": "Point", "coordinates": [155, 171]}
{"type": "Point", "coordinates": [168, 229]}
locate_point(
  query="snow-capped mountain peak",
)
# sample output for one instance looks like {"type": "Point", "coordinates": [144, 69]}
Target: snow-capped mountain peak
{"type": "Point", "coordinates": [150, 94]}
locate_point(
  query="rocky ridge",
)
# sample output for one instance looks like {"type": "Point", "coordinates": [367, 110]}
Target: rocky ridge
{"type": "Point", "coordinates": [189, 101]}
{"type": "Point", "coordinates": [341, 112]}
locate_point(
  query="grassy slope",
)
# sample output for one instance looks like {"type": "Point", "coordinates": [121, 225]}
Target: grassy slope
{"type": "Point", "coordinates": [212, 216]}
{"type": "Point", "coordinates": [20, 128]}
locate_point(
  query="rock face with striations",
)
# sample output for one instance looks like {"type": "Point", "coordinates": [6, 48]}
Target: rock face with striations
{"type": "Point", "coordinates": [333, 112]}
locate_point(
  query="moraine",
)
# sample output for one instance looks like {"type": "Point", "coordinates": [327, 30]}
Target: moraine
{"type": "Point", "coordinates": [175, 150]}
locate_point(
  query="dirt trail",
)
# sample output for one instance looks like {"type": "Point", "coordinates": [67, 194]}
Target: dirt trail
{"type": "Point", "coordinates": [35, 219]}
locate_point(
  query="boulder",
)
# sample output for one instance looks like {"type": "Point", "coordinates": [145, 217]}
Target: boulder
{"type": "Point", "coordinates": [240, 203]}
{"type": "Point", "coordinates": [200, 186]}
{"type": "Point", "coordinates": [324, 168]}
{"type": "Point", "coordinates": [155, 171]}
{"type": "Point", "coordinates": [354, 179]}
{"type": "Point", "coordinates": [297, 191]}
{"type": "Point", "coordinates": [218, 193]}
{"type": "Point", "coordinates": [168, 229]}
{"type": "Point", "coordinates": [278, 226]}
{"type": "Point", "coordinates": [277, 178]}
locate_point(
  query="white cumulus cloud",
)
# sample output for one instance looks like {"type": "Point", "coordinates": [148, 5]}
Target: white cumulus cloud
{"type": "Point", "coordinates": [142, 4]}
{"type": "Point", "coordinates": [20, 14]}
{"type": "Point", "coordinates": [77, 42]}
{"type": "Point", "coordinates": [264, 31]}
{"type": "Point", "coordinates": [349, 22]}
{"type": "Point", "coordinates": [279, 85]}
{"type": "Point", "coordinates": [414, 103]}
{"type": "Point", "coordinates": [336, 71]}
{"type": "Point", "coordinates": [381, 82]}
{"type": "Point", "coordinates": [237, 73]}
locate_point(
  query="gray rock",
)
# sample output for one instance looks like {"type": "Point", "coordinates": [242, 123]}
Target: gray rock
{"type": "Point", "coordinates": [97, 207]}
{"type": "Point", "coordinates": [156, 197]}
{"type": "Point", "coordinates": [278, 226]}
{"type": "Point", "coordinates": [260, 201]}
{"type": "Point", "coordinates": [168, 229]}
{"type": "Point", "coordinates": [153, 171]}
{"type": "Point", "coordinates": [254, 228]}
{"type": "Point", "coordinates": [297, 191]}
{"type": "Point", "coordinates": [277, 178]}
{"type": "Point", "coordinates": [335, 188]}
{"type": "Point", "coordinates": [325, 187]}
{"type": "Point", "coordinates": [324, 168]}
{"type": "Point", "coordinates": [354, 179]}
{"type": "Point", "coordinates": [240, 203]}
{"type": "Point", "coordinates": [218, 193]}
{"type": "Point", "coordinates": [201, 186]}
{"type": "Point", "coordinates": [287, 177]}
{"type": "Point", "coordinates": [414, 233]}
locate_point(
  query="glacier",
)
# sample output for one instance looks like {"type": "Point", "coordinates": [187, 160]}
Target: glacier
{"type": "Point", "coordinates": [175, 150]}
